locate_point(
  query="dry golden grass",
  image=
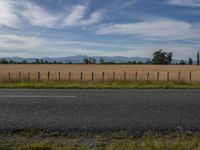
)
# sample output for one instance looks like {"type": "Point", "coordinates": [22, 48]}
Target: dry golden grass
{"type": "Point", "coordinates": [144, 72]}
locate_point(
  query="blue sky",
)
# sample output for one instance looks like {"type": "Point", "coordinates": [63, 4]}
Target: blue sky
{"type": "Point", "coordinates": [54, 28]}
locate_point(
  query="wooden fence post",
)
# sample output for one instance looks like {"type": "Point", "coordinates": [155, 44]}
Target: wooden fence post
{"type": "Point", "coordinates": [70, 76]}
{"type": "Point", "coordinates": [158, 76]}
{"type": "Point", "coordinates": [124, 76]}
{"type": "Point", "coordinates": [9, 76]}
{"type": "Point", "coordinates": [38, 76]}
{"type": "Point", "coordinates": [28, 76]}
{"type": "Point", "coordinates": [113, 76]}
{"type": "Point", "coordinates": [48, 75]}
{"type": "Point", "coordinates": [19, 76]}
{"type": "Point", "coordinates": [148, 76]}
{"type": "Point", "coordinates": [179, 76]}
{"type": "Point", "coordinates": [167, 76]}
{"type": "Point", "coordinates": [103, 76]}
{"type": "Point", "coordinates": [81, 76]}
{"type": "Point", "coordinates": [190, 76]}
{"type": "Point", "coordinates": [92, 76]}
{"type": "Point", "coordinates": [136, 76]}
{"type": "Point", "coordinates": [59, 76]}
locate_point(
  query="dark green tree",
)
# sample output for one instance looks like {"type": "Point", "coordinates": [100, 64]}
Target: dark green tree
{"type": "Point", "coordinates": [169, 57]}
{"type": "Point", "coordinates": [46, 61]}
{"type": "Point", "coordinates": [190, 61]}
{"type": "Point", "coordinates": [86, 60]}
{"type": "Point", "coordinates": [182, 62]}
{"type": "Point", "coordinates": [12, 62]}
{"type": "Point", "coordinates": [41, 61]}
{"type": "Point", "coordinates": [37, 61]}
{"type": "Point", "coordinates": [161, 57]}
{"type": "Point", "coordinates": [93, 61]}
{"type": "Point", "coordinates": [198, 58]}
{"type": "Point", "coordinates": [89, 60]}
{"type": "Point", "coordinates": [134, 62]}
{"type": "Point", "coordinates": [101, 61]}
{"type": "Point", "coordinates": [4, 61]}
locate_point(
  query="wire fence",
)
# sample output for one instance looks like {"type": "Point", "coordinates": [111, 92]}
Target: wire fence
{"type": "Point", "coordinates": [99, 76]}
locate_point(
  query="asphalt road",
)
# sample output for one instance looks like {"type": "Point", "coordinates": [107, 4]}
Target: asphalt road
{"type": "Point", "coordinates": [99, 110]}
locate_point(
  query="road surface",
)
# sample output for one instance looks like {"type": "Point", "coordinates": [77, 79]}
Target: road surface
{"type": "Point", "coordinates": [99, 110]}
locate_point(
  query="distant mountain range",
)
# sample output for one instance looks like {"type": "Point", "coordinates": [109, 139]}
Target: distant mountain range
{"type": "Point", "coordinates": [79, 59]}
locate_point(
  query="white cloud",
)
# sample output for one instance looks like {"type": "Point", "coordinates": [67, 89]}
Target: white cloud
{"type": "Point", "coordinates": [37, 16]}
{"type": "Point", "coordinates": [180, 51]}
{"type": "Point", "coordinates": [17, 42]}
{"type": "Point", "coordinates": [150, 33]}
{"type": "Point", "coordinates": [8, 17]}
{"type": "Point", "coordinates": [191, 3]}
{"type": "Point", "coordinates": [77, 17]}
{"type": "Point", "coordinates": [160, 28]}
{"type": "Point", "coordinates": [12, 13]}
{"type": "Point", "coordinates": [26, 46]}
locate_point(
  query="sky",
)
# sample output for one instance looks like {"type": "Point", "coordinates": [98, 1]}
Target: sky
{"type": "Point", "coordinates": [59, 28]}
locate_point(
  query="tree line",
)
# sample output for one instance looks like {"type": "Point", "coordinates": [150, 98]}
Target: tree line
{"type": "Point", "coordinates": [159, 57]}
{"type": "Point", "coordinates": [37, 61]}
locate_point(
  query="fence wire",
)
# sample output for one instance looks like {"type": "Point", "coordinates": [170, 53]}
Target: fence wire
{"type": "Point", "coordinates": [99, 76]}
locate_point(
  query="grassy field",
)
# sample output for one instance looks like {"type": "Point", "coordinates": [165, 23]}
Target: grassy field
{"type": "Point", "coordinates": [38, 140]}
{"type": "Point", "coordinates": [121, 72]}
{"type": "Point", "coordinates": [101, 85]}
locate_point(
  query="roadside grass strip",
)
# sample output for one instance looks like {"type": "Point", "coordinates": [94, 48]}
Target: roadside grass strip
{"type": "Point", "coordinates": [102, 85]}
{"type": "Point", "coordinates": [99, 142]}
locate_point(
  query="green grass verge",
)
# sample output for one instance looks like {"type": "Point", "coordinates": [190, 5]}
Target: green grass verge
{"type": "Point", "coordinates": [102, 85]}
{"type": "Point", "coordinates": [147, 142]}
